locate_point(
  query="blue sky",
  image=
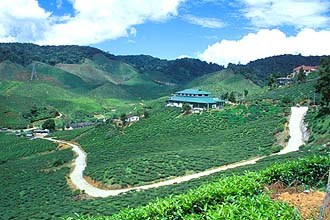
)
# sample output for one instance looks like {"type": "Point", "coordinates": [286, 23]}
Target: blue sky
{"type": "Point", "coordinates": [216, 31]}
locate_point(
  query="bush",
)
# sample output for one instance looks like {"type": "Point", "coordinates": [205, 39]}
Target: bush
{"type": "Point", "coordinates": [276, 149]}
{"type": "Point", "coordinates": [49, 124]}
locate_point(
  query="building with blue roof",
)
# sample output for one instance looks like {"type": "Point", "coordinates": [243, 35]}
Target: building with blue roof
{"type": "Point", "coordinates": [197, 99]}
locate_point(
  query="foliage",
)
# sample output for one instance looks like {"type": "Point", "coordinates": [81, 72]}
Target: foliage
{"type": "Point", "coordinates": [301, 77]}
{"type": "Point", "coordinates": [49, 124]}
{"type": "Point", "coordinates": [318, 125]}
{"type": "Point", "coordinates": [271, 81]}
{"type": "Point", "coordinates": [186, 107]}
{"type": "Point", "coordinates": [295, 93]}
{"type": "Point", "coordinates": [232, 97]}
{"type": "Point", "coordinates": [259, 70]}
{"type": "Point", "coordinates": [323, 82]}
{"type": "Point", "coordinates": [234, 196]}
{"type": "Point", "coordinates": [167, 144]}
{"type": "Point", "coordinates": [25, 54]}
{"type": "Point", "coordinates": [176, 71]}
{"type": "Point", "coordinates": [12, 147]}
{"type": "Point", "coordinates": [39, 113]}
{"type": "Point", "coordinates": [226, 80]}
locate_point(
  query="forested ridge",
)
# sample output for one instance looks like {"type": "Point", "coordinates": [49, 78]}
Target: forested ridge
{"type": "Point", "coordinates": [259, 70]}
{"type": "Point", "coordinates": [174, 71]}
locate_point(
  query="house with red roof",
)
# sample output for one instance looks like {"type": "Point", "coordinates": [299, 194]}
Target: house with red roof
{"type": "Point", "coordinates": [307, 69]}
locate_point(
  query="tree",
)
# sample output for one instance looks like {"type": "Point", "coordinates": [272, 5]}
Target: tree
{"type": "Point", "coordinates": [301, 77]}
{"type": "Point", "coordinates": [49, 124]}
{"type": "Point", "coordinates": [225, 96]}
{"type": "Point", "coordinates": [123, 118]}
{"type": "Point", "coordinates": [232, 97]}
{"type": "Point", "coordinates": [287, 100]}
{"type": "Point", "coordinates": [246, 92]}
{"type": "Point", "coordinates": [323, 82]}
{"type": "Point", "coordinates": [146, 114]}
{"type": "Point", "coordinates": [271, 81]}
{"type": "Point", "coordinates": [186, 108]}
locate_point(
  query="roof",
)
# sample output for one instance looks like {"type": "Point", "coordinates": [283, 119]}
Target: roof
{"type": "Point", "coordinates": [203, 100]}
{"type": "Point", "coordinates": [131, 116]}
{"type": "Point", "coordinates": [306, 68]}
{"type": "Point", "coordinates": [193, 91]}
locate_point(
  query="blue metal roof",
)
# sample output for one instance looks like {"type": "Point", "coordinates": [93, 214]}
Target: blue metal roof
{"type": "Point", "coordinates": [188, 99]}
{"type": "Point", "coordinates": [193, 91]}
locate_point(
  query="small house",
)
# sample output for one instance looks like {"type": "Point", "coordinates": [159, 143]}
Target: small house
{"type": "Point", "coordinates": [41, 131]}
{"type": "Point", "coordinates": [81, 124]}
{"type": "Point", "coordinates": [306, 69]}
{"type": "Point", "coordinates": [283, 81]}
{"type": "Point", "coordinates": [197, 99]}
{"type": "Point", "coordinates": [132, 118]}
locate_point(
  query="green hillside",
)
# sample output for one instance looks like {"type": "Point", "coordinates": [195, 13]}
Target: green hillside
{"type": "Point", "coordinates": [235, 197]}
{"type": "Point", "coordinates": [224, 81]}
{"type": "Point", "coordinates": [171, 144]}
{"type": "Point", "coordinates": [13, 71]}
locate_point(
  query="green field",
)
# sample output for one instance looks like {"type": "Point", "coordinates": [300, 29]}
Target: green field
{"type": "Point", "coordinates": [29, 192]}
{"type": "Point", "coordinates": [234, 197]}
{"type": "Point", "coordinates": [171, 144]}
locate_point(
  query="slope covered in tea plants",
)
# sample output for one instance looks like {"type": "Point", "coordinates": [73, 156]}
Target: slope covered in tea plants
{"type": "Point", "coordinates": [171, 144]}
{"type": "Point", "coordinates": [236, 196]}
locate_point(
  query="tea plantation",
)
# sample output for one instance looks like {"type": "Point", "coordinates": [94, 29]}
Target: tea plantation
{"type": "Point", "coordinates": [235, 197]}
{"type": "Point", "coordinates": [28, 192]}
{"type": "Point", "coordinates": [171, 144]}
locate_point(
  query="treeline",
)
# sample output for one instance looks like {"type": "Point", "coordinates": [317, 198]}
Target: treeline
{"type": "Point", "coordinates": [260, 70]}
{"type": "Point", "coordinates": [26, 53]}
{"type": "Point", "coordinates": [173, 71]}
{"type": "Point", "coordinates": [179, 70]}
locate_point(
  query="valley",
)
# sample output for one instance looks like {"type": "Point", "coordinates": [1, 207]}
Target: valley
{"type": "Point", "coordinates": [171, 163]}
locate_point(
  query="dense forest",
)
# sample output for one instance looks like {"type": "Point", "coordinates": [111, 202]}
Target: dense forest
{"type": "Point", "coordinates": [180, 70]}
{"type": "Point", "coordinates": [26, 53]}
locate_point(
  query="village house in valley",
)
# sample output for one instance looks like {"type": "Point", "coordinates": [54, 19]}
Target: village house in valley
{"type": "Point", "coordinates": [132, 118]}
{"type": "Point", "coordinates": [197, 99]}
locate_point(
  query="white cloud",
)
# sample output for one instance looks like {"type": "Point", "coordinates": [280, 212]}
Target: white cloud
{"type": "Point", "coordinates": [267, 43]}
{"type": "Point", "coordinates": [92, 22]}
{"type": "Point", "coordinates": [132, 31]}
{"type": "Point", "coordinates": [204, 21]}
{"type": "Point", "coordinates": [22, 20]}
{"type": "Point", "coordinates": [302, 13]}
{"type": "Point", "coordinates": [59, 4]}
{"type": "Point", "coordinates": [183, 56]}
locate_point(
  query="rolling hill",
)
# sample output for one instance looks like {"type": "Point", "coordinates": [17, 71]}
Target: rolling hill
{"type": "Point", "coordinates": [224, 81]}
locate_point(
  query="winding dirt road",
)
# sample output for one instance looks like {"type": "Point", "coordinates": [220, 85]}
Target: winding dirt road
{"type": "Point", "coordinates": [76, 176]}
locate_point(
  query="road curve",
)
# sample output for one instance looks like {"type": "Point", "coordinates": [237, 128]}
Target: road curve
{"type": "Point", "coordinates": [295, 128]}
{"type": "Point", "coordinates": [76, 176]}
